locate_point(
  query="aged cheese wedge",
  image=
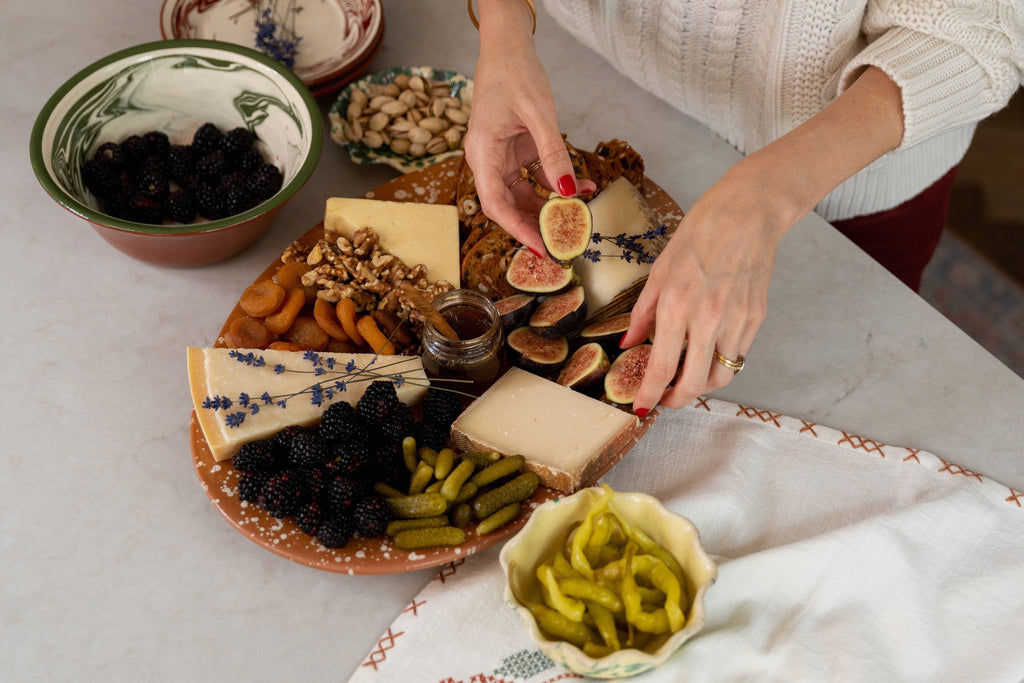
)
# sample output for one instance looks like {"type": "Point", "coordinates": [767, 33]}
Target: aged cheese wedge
{"type": "Point", "coordinates": [566, 437]}
{"type": "Point", "coordinates": [238, 393]}
{"type": "Point", "coordinates": [415, 233]}
{"type": "Point", "coordinates": [619, 208]}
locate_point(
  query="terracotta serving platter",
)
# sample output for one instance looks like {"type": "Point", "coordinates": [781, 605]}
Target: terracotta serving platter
{"type": "Point", "coordinates": [435, 184]}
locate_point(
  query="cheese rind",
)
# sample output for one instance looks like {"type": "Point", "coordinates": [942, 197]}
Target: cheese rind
{"type": "Point", "coordinates": [415, 233]}
{"type": "Point", "coordinates": [216, 374]}
{"type": "Point", "coordinates": [619, 208]}
{"type": "Point", "coordinates": [567, 438]}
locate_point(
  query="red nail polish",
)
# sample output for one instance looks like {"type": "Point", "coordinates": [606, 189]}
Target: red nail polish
{"type": "Point", "coordinates": [641, 412]}
{"type": "Point", "coordinates": [622, 339]}
{"type": "Point", "coordinates": [567, 186]}
{"type": "Point", "coordinates": [536, 253]}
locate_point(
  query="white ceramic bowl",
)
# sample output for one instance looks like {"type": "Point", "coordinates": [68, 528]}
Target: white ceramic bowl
{"type": "Point", "coordinates": [546, 528]}
{"type": "Point", "coordinates": [175, 87]}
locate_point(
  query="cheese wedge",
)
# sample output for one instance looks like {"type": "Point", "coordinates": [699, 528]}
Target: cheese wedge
{"type": "Point", "coordinates": [567, 438]}
{"type": "Point", "coordinates": [619, 208]}
{"type": "Point", "coordinates": [415, 233]}
{"type": "Point", "coordinates": [240, 397]}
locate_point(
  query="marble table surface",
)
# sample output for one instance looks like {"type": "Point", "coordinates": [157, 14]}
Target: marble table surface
{"type": "Point", "coordinates": [114, 564]}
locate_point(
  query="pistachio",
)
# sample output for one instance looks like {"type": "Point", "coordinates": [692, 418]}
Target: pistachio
{"type": "Point", "coordinates": [379, 121]}
{"type": "Point", "coordinates": [394, 108]}
{"type": "Point", "coordinates": [434, 124]}
{"type": "Point", "coordinates": [373, 139]}
{"type": "Point", "coordinates": [359, 97]}
{"type": "Point", "coordinates": [453, 138]}
{"type": "Point", "coordinates": [417, 83]}
{"type": "Point", "coordinates": [353, 111]}
{"type": "Point", "coordinates": [456, 115]}
{"type": "Point", "coordinates": [421, 135]}
{"type": "Point", "coordinates": [400, 145]}
{"type": "Point", "coordinates": [417, 149]}
{"type": "Point", "coordinates": [402, 81]}
{"type": "Point", "coordinates": [379, 101]}
{"type": "Point", "coordinates": [392, 89]}
{"type": "Point", "coordinates": [408, 97]}
{"type": "Point", "coordinates": [436, 145]}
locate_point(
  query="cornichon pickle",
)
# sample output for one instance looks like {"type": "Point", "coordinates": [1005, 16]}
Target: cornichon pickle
{"type": "Point", "coordinates": [396, 525]}
{"type": "Point", "coordinates": [481, 459]}
{"type": "Point", "coordinates": [517, 490]}
{"type": "Point", "coordinates": [462, 515]}
{"type": "Point", "coordinates": [409, 455]}
{"type": "Point", "coordinates": [428, 455]}
{"type": "Point", "coordinates": [418, 505]}
{"type": "Point", "coordinates": [456, 478]}
{"type": "Point", "coordinates": [505, 467]}
{"type": "Point", "coordinates": [421, 477]}
{"type": "Point", "coordinates": [499, 519]}
{"type": "Point", "coordinates": [386, 490]}
{"type": "Point", "coordinates": [410, 539]}
{"type": "Point", "coordinates": [445, 462]}
{"type": "Point", "coordinates": [468, 490]}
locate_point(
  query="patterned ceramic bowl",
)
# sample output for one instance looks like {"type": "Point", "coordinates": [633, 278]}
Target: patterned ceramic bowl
{"type": "Point", "coordinates": [175, 87]}
{"type": "Point", "coordinates": [547, 527]}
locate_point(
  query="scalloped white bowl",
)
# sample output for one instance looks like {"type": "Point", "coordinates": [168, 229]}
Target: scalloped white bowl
{"type": "Point", "coordinates": [546, 528]}
{"type": "Point", "coordinates": [175, 86]}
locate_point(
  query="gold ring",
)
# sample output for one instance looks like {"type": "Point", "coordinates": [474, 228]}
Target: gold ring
{"type": "Point", "coordinates": [734, 365]}
{"type": "Point", "coordinates": [534, 167]}
{"type": "Point", "coordinates": [519, 179]}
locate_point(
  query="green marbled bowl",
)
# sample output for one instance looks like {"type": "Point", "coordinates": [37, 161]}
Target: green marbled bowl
{"type": "Point", "coordinates": [175, 86]}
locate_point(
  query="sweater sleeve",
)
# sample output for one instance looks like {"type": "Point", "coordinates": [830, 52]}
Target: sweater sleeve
{"type": "Point", "coordinates": [955, 61]}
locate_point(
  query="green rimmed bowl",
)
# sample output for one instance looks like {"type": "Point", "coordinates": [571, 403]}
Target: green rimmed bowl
{"type": "Point", "coordinates": [547, 528]}
{"type": "Point", "coordinates": [459, 86]}
{"type": "Point", "coordinates": [174, 87]}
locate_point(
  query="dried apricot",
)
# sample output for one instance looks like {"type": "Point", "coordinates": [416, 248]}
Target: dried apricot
{"type": "Point", "coordinates": [335, 346]}
{"type": "Point", "coordinates": [307, 334]}
{"type": "Point", "coordinates": [289, 275]}
{"type": "Point", "coordinates": [247, 333]}
{"type": "Point", "coordinates": [347, 316]}
{"type": "Point", "coordinates": [280, 320]}
{"type": "Point", "coordinates": [280, 345]}
{"type": "Point", "coordinates": [262, 298]}
{"type": "Point", "coordinates": [374, 337]}
{"type": "Point", "coordinates": [327, 318]}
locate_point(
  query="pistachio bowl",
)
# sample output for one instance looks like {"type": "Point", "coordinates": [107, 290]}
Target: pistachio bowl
{"type": "Point", "coordinates": [547, 528]}
{"type": "Point", "coordinates": [174, 87]}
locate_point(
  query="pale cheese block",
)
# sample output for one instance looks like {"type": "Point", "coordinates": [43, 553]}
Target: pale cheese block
{"type": "Point", "coordinates": [415, 233]}
{"type": "Point", "coordinates": [619, 208]}
{"type": "Point", "coordinates": [567, 438]}
{"type": "Point", "coordinates": [215, 374]}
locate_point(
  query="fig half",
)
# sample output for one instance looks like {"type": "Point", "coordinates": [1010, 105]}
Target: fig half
{"type": "Point", "coordinates": [607, 332]}
{"type": "Point", "coordinates": [532, 275]}
{"type": "Point", "coordinates": [534, 353]}
{"type": "Point", "coordinates": [515, 310]}
{"type": "Point", "coordinates": [627, 371]}
{"type": "Point", "coordinates": [585, 369]}
{"type": "Point", "coordinates": [560, 314]}
{"type": "Point", "coordinates": [565, 226]}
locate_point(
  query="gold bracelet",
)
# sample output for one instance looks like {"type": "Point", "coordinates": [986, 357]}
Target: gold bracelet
{"type": "Point", "coordinates": [529, 3]}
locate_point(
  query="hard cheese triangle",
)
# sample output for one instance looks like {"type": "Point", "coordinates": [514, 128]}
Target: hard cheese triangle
{"type": "Point", "coordinates": [243, 395]}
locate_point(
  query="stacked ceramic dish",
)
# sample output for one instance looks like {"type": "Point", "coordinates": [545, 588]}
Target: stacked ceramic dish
{"type": "Point", "coordinates": [328, 44]}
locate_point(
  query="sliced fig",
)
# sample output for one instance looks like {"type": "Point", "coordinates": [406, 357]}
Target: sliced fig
{"type": "Point", "coordinates": [623, 378]}
{"type": "Point", "coordinates": [515, 310]}
{"type": "Point", "coordinates": [607, 332]}
{"type": "Point", "coordinates": [565, 226]}
{"type": "Point", "coordinates": [585, 369]}
{"type": "Point", "coordinates": [532, 275]}
{"type": "Point", "coordinates": [562, 314]}
{"type": "Point", "coordinates": [537, 354]}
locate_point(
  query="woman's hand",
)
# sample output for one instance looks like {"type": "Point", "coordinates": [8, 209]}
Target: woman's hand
{"type": "Point", "coordinates": [514, 124]}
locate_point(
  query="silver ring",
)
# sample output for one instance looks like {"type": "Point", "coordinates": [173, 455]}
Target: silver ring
{"type": "Point", "coordinates": [734, 365]}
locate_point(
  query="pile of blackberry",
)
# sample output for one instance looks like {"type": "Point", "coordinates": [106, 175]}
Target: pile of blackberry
{"type": "Point", "coordinates": [146, 179]}
{"type": "Point", "coordinates": [323, 478]}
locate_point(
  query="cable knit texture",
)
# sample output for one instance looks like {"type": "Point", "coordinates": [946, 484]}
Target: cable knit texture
{"type": "Point", "coordinates": [752, 70]}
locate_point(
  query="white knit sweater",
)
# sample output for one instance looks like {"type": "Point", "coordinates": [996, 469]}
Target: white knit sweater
{"type": "Point", "coordinates": [752, 70]}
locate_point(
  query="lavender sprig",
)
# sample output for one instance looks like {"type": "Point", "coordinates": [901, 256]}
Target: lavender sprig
{"type": "Point", "coordinates": [631, 247]}
{"type": "Point", "coordinates": [275, 31]}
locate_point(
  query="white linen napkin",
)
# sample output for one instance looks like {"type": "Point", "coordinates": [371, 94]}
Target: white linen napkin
{"type": "Point", "coordinates": [839, 558]}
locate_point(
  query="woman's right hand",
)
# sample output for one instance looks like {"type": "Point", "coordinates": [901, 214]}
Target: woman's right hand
{"type": "Point", "coordinates": [514, 124]}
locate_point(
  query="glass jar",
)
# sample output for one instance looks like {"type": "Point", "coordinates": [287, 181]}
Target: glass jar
{"type": "Point", "coordinates": [476, 354]}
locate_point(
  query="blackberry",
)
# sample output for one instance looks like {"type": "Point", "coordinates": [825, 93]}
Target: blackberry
{"type": "Point", "coordinates": [250, 485]}
{"type": "Point", "coordinates": [206, 139]}
{"type": "Point", "coordinates": [180, 162]}
{"type": "Point", "coordinates": [317, 481]}
{"type": "Point", "coordinates": [256, 456]}
{"type": "Point", "coordinates": [101, 177]}
{"type": "Point", "coordinates": [431, 435]}
{"type": "Point", "coordinates": [441, 406]}
{"type": "Point", "coordinates": [180, 206]}
{"type": "Point", "coordinates": [283, 438]}
{"type": "Point", "coordinates": [397, 424]}
{"type": "Point", "coordinates": [144, 209]}
{"type": "Point", "coordinates": [212, 164]}
{"type": "Point", "coordinates": [134, 149]}
{"type": "Point", "coordinates": [307, 450]}
{"type": "Point", "coordinates": [341, 424]}
{"type": "Point", "coordinates": [343, 492]}
{"type": "Point", "coordinates": [158, 142]}
{"type": "Point", "coordinates": [377, 401]}
{"type": "Point", "coordinates": [210, 201]}
{"type": "Point", "coordinates": [111, 153]}
{"type": "Point", "coordinates": [237, 141]}
{"type": "Point", "coordinates": [118, 204]}
{"type": "Point", "coordinates": [149, 178]}
{"type": "Point", "coordinates": [309, 517]}
{"type": "Point", "coordinates": [264, 182]}
{"type": "Point", "coordinates": [282, 494]}
{"type": "Point", "coordinates": [236, 197]}
{"type": "Point", "coordinates": [354, 459]}
{"type": "Point", "coordinates": [372, 516]}
{"type": "Point", "coordinates": [336, 531]}
{"type": "Point", "coordinates": [249, 160]}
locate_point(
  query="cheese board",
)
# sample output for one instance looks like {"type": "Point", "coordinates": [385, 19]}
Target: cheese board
{"type": "Point", "coordinates": [435, 184]}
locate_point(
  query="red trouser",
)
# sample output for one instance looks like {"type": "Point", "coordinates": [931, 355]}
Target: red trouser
{"type": "Point", "coordinates": [904, 238]}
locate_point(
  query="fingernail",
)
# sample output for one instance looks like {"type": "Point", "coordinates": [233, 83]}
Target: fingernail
{"type": "Point", "coordinates": [622, 339]}
{"type": "Point", "coordinates": [641, 412]}
{"type": "Point", "coordinates": [567, 186]}
{"type": "Point", "coordinates": [536, 253]}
